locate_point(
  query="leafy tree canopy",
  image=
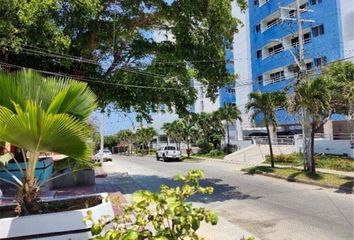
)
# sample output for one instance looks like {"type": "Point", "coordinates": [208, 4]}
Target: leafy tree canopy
{"type": "Point", "coordinates": [157, 44]}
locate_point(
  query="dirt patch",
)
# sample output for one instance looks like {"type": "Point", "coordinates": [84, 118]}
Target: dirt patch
{"type": "Point", "coordinates": [56, 206]}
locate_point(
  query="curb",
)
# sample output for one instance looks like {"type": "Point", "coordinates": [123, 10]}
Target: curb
{"type": "Point", "coordinates": [345, 189]}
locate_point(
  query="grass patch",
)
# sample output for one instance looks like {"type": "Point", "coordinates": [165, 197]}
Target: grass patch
{"type": "Point", "coordinates": [293, 174]}
{"type": "Point", "coordinates": [333, 162]}
{"type": "Point", "coordinates": [212, 154]}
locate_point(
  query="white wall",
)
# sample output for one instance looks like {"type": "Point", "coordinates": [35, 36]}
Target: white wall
{"type": "Point", "coordinates": [338, 147]}
{"type": "Point", "coordinates": [347, 17]}
{"type": "Point", "coordinates": [204, 104]}
{"type": "Point", "coordinates": [242, 64]}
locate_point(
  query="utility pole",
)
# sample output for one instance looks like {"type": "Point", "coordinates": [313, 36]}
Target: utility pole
{"type": "Point", "coordinates": [101, 135]}
{"type": "Point", "coordinates": [300, 61]}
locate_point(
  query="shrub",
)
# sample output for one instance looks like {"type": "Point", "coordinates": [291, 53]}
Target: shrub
{"type": "Point", "coordinates": [161, 215]}
{"type": "Point", "coordinates": [215, 153]}
{"type": "Point", "coordinates": [204, 146]}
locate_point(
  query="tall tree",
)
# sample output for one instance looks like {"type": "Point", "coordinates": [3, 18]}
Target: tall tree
{"type": "Point", "coordinates": [229, 114]}
{"type": "Point", "coordinates": [210, 128]}
{"type": "Point", "coordinates": [266, 104]}
{"type": "Point", "coordinates": [136, 54]}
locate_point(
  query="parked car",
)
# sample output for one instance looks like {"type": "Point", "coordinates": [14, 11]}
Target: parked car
{"type": "Point", "coordinates": [168, 153]}
{"type": "Point", "coordinates": [106, 155]}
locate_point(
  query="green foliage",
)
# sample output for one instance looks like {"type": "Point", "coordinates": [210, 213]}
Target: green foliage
{"type": "Point", "coordinates": [341, 77]}
{"type": "Point", "coordinates": [161, 215]}
{"type": "Point", "coordinates": [143, 136]}
{"type": "Point", "coordinates": [216, 153]}
{"type": "Point", "coordinates": [39, 115]}
{"type": "Point", "coordinates": [45, 114]}
{"type": "Point", "coordinates": [115, 32]}
{"type": "Point", "coordinates": [73, 164]}
{"type": "Point", "coordinates": [204, 146]}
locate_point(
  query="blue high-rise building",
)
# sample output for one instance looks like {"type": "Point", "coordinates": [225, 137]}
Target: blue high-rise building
{"type": "Point", "coordinates": [273, 41]}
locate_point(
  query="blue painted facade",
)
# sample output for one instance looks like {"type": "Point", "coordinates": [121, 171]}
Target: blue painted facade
{"type": "Point", "coordinates": [227, 93]}
{"type": "Point", "coordinates": [329, 44]}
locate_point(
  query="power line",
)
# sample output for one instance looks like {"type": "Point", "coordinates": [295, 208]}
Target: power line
{"type": "Point", "coordinates": [94, 80]}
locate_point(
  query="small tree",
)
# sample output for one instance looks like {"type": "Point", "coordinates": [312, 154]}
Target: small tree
{"type": "Point", "coordinates": [266, 104]}
{"type": "Point", "coordinates": [229, 114]}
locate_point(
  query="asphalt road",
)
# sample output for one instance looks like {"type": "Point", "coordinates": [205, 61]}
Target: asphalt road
{"type": "Point", "coordinates": [268, 208]}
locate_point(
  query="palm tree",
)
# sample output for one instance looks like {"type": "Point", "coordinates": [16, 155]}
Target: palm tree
{"type": "Point", "coordinates": [266, 104]}
{"type": "Point", "coordinates": [144, 137]}
{"type": "Point", "coordinates": [315, 97]}
{"type": "Point", "coordinates": [228, 114]}
{"type": "Point", "coordinates": [175, 131]}
{"type": "Point", "coordinates": [126, 136]}
{"type": "Point", "coordinates": [188, 131]}
{"type": "Point", "coordinates": [39, 115]}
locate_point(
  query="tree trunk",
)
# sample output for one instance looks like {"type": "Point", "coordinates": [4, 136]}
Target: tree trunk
{"type": "Point", "coordinates": [228, 134]}
{"type": "Point", "coordinates": [188, 150]}
{"type": "Point", "coordinates": [27, 197]}
{"type": "Point", "coordinates": [270, 146]}
{"type": "Point", "coordinates": [307, 136]}
{"type": "Point", "coordinates": [312, 149]}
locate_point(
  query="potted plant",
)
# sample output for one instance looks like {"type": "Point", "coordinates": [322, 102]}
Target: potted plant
{"type": "Point", "coordinates": [44, 114]}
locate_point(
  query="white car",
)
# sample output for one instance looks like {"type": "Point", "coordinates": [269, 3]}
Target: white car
{"type": "Point", "coordinates": [168, 153]}
{"type": "Point", "coordinates": [106, 155]}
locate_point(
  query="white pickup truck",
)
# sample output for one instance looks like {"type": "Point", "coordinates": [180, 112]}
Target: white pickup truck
{"type": "Point", "coordinates": [168, 153]}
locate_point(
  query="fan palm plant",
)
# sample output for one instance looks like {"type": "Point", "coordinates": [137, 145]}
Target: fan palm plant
{"type": "Point", "coordinates": [266, 104]}
{"type": "Point", "coordinates": [39, 115]}
{"type": "Point", "coordinates": [228, 114]}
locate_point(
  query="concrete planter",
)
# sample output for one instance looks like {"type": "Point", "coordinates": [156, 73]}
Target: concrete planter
{"type": "Point", "coordinates": [55, 226]}
{"type": "Point", "coordinates": [44, 169]}
{"type": "Point", "coordinates": [81, 178]}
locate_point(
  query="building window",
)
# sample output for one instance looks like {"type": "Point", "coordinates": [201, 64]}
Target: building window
{"type": "Point", "coordinates": [273, 22]}
{"type": "Point", "coordinates": [320, 61]}
{"type": "Point", "coordinates": [260, 79]}
{"type": "Point", "coordinates": [318, 30]}
{"type": "Point", "coordinates": [256, 3]}
{"type": "Point", "coordinates": [258, 27]}
{"type": "Point", "coordinates": [274, 77]}
{"type": "Point", "coordinates": [231, 90]}
{"type": "Point", "coordinates": [309, 66]}
{"type": "Point", "coordinates": [295, 41]}
{"type": "Point", "coordinates": [259, 53]}
{"type": "Point", "coordinates": [314, 2]}
{"type": "Point", "coordinates": [303, 6]}
{"type": "Point", "coordinates": [275, 49]}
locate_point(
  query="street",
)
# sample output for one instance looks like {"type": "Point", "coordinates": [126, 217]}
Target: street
{"type": "Point", "coordinates": [266, 207]}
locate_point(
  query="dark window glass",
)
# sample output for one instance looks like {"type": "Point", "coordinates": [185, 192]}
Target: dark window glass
{"type": "Point", "coordinates": [275, 49]}
{"type": "Point", "coordinates": [318, 30]}
{"type": "Point", "coordinates": [320, 61]}
{"type": "Point", "coordinates": [256, 3]}
{"type": "Point", "coordinates": [259, 53]}
{"type": "Point", "coordinates": [314, 2]}
{"type": "Point", "coordinates": [276, 76]}
{"type": "Point", "coordinates": [258, 27]}
{"type": "Point", "coordinates": [272, 22]}
{"type": "Point", "coordinates": [309, 66]}
{"type": "Point", "coordinates": [260, 79]}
